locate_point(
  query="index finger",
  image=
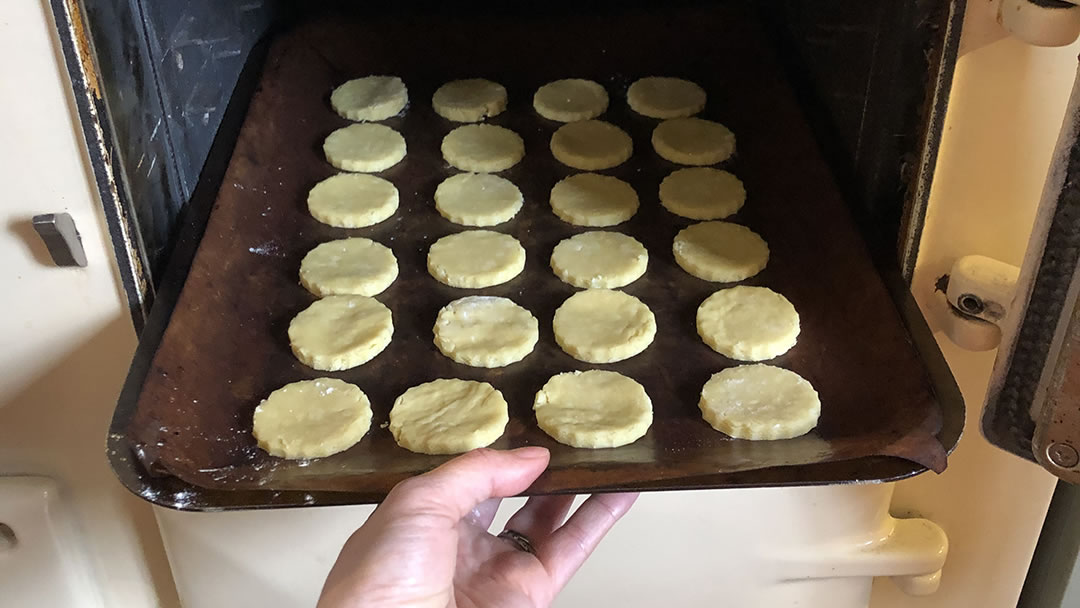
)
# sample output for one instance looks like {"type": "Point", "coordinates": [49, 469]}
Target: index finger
{"type": "Point", "coordinates": [454, 489]}
{"type": "Point", "coordinates": [569, 546]}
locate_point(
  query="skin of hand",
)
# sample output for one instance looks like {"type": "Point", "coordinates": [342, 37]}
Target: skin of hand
{"type": "Point", "coordinates": [428, 546]}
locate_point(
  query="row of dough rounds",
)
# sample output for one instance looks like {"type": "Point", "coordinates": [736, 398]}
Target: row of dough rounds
{"type": "Point", "coordinates": [591, 409]}
{"type": "Point", "coordinates": [356, 200]}
{"type": "Point", "coordinates": [589, 145]}
{"type": "Point", "coordinates": [375, 98]}
{"type": "Point", "coordinates": [350, 200]}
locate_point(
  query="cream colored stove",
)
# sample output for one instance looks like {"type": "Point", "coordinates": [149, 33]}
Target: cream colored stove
{"type": "Point", "coordinates": [71, 536]}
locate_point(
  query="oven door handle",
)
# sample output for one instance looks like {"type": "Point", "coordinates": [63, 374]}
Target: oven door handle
{"type": "Point", "coordinates": [910, 551]}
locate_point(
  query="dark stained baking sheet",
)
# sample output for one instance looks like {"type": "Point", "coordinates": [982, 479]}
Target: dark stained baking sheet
{"type": "Point", "coordinates": [225, 347]}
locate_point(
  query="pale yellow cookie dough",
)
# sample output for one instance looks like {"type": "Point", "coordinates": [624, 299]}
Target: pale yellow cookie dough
{"type": "Point", "coordinates": [661, 97]}
{"type": "Point", "coordinates": [591, 199]}
{"type": "Point", "coordinates": [591, 145]}
{"type": "Point", "coordinates": [720, 251]}
{"type": "Point", "coordinates": [570, 100]}
{"type": "Point", "coordinates": [599, 260]}
{"type": "Point", "coordinates": [760, 402]}
{"type": "Point", "coordinates": [312, 419]}
{"type": "Point", "coordinates": [352, 200]}
{"type": "Point", "coordinates": [593, 409]}
{"type": "Point", "coordinates": [448, 416]}
{"type": "Point", "coordinates": [366, 148]}
{"type": "Point", "coordinates": [482, 148]}
{"type": "Point", "coordinates": [603, 326]}
{"type": "Point", "coordinates": [477, 199]}
{"type": "Point", "coordinates": [356, 266]}
{"type": "Point", "coordinates": [485, 331]}
{"type": "Point", "coordinates": [475, 258]}
{"type": "Point", "coordinates": [340, 332]}
{"type": "Point", "coordinates": [370, 98]}
{"type": "Point", "coordinates": [693, 141]}
{"type": "Point", "coordinates": [469, 100]}
{"type": "Point", "coordinates": [702, 193]}
{"type": "Point", "coordinates": [748, 323]}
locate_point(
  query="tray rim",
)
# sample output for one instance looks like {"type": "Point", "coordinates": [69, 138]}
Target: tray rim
{"type": "Point", "coordinates": [166, 490]}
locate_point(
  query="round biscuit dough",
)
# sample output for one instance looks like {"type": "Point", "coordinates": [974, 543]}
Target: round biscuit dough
{"type": "Point", "coordinates": [599, 260]}
{"type": "Point", "coordinates": [748, 323]}
{"type": "Point", "coordinates": [591, 145]}
{"type": "Point", "coordinates": [482, 148]}
{"type": "Point", "coordinates": [702, 193]}
{"type": "Point", "coordinates": [477, 199]}
{"type": "Point", "coordinates": [312, 419]}
{"type": "Point", "coordinates": [760, 402]}
{"type": "Point", "coordinates": [662, 97]}
{"type": "Point", "coordinates": [693, 141]}
{"type": "Point", "coordinates": [593, 409]}
{"type": "Point", "coordinates": [354, 266]}
{"type": "Point", "coordinates": [485, 331]}
{"type": "Point", "coordinates": [720, 251]}
{"type": "Point", "coordinates": [370, 98]}
{"type": "Point", "coordinates": [570, 100]}
{"type": "Point", "coordinates": [340, 332]}
{"type": "Point", "coordinates": [469, 100]}
{"type": "Point", "coordinates": [603, 326]}
{"type": "Point", "coordinates": [352, 200]}
{"type": "Point", "coordinates": [366, 148]}
{"type": "Point", "coordinates": [448, 416]}
{"type": "Point", "coordinates": [591, 199]}
{"type": "Point", "coordinates": [475, 259]}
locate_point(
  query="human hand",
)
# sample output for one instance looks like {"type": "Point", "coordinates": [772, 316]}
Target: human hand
{"type": "Point", "coordinates": [427, 545]}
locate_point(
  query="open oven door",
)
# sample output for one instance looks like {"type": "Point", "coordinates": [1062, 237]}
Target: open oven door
{"type": "Point", "coordinates": [1033, 403]}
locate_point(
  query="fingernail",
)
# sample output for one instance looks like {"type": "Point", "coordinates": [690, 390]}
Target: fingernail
{"type": "Point", "coordinates": [532, 452]}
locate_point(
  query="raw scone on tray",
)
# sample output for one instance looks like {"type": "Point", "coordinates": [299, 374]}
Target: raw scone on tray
{"type": "Point", "coordinates": [340, 332]}
{"type": "Point", "coordinates": [664, 97]}
{"type": "Point", "coordinates": [354, 266]}
{"type": "Point", "coordinates": [592, 199]}
{"type": "Point", "coordinates": [469, 100]}
{"type": "Point", "coordinates": [720, 251]}
{"type": "Point", "coordinates": [364, 147]}
{"type": "Point", "coordinates": [477, 199]}
{"type": "Point", "coordinates": [448, 416]}
{"type": "Point", "coordinates": [370, 98]}
{"type": "Point", "coordinates": [599, 259]}
{"type": "Point", "coordinates": [570, 100]}
{"type": "Point", "coordinates": [482, 148]}
{"type": "Point", "coordinates": [475, 259]}
{"type": "Point", "coordinates": [312, 418]}
{"type": "Point", "coordinates": [591, 145]}
{"type": "Point", "coordinates": [760, 402]}
{"type": "Point", "coordinates": [603, 326]}
{"type": "Point", "coordinates": [702, 193]}
{"type": "Point", "coordinates": [693, 141]}
{"type": "Point", "coordinates": [748, 323]}
{"type": "Point", "coordinates": [485, 331]}
{"type": "Point", "coordinates": [593, 409]}
{"type": "Point", "coordinates": [352, 200]}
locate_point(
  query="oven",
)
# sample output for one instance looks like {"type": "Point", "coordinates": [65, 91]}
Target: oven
{"type": "Point", "coordinates": [910, 163]}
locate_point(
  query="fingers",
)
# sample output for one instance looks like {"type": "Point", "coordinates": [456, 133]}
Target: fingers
{"type": "Point", "coordinates": [540, 516]}
{"type": "Point", "coordinates": [454, 489]}
{"type": "Point", "coordinates": [568, 547]}
{"type": "Point", "coordinates": [484, 513]}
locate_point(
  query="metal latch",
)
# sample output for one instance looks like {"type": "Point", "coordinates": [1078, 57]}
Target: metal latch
{"type": "Point", "coordinates": [61, 238]}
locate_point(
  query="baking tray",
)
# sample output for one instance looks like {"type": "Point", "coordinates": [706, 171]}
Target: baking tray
{"type": "Point", "coordinates": [181, 436]}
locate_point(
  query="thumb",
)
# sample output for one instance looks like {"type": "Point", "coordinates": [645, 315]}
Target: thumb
{"type": "Point", "coordinates": [458, 486]}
